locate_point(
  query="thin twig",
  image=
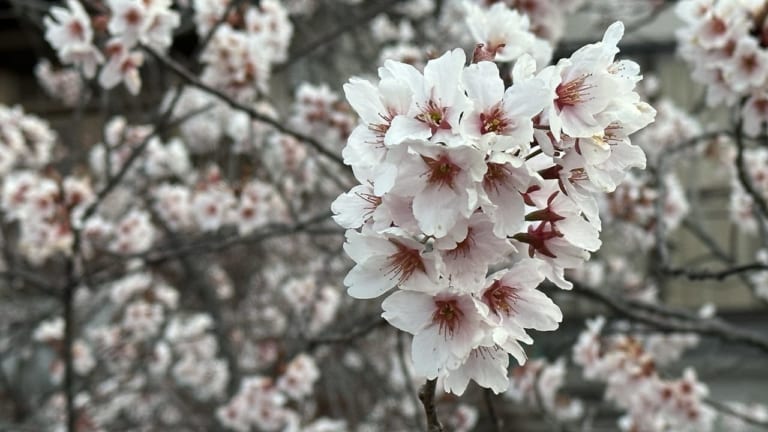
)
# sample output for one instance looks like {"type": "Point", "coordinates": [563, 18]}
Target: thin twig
{"type": "Point", "coordinates": [347, 336]}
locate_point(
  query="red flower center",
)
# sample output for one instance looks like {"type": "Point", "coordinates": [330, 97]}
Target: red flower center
{"type": "Point", "coordinates": [501, 299]}
{"type": "Point", "coordinates": [404, 262]}
{"type": "Point", "coordinates": [493, 121]}
{"type": "Point", "coordinates": [441, 171]}
{"type": "Point", "coordinates": [573, 92]}
{"type": "Point", "coordinates": [448, 316]}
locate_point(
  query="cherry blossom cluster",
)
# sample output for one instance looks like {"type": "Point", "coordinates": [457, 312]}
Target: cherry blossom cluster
{"type": "Point", "coordinates": [64, 84]}
{"type": "Point", "coordinates": [158, 160]}
{"type": "Point", "coordinates": [547, 17]}
{"type": "Point", "coordinates": [112, 38]}
{"type": "Point", "coordinates": [538, 384]}
{"type": "Point", "coordinates": [625, 361]}
{"type": "Point", "coordinates": [26, 141]}
{"type": "Point", "coordinates": [244, 47]}
{"type": "Point", "coordinates": [137, 340]}
{"type": "Point", "coordinates": [725, 42]}
{"type": "Point", "coordinates": [319, 112]}
{"type": "Point", "coordinates": [672, 126]}
{"type": "Point", "coordinates": [504, 34]}
{"type": "Point", "coordinates": [506, 29]}
{"type": "Point", "coordinates": [216, 122]}
{"type": "Point", "coordinates": [635, 203]}
{"type": "Point", "coordinates": [212, 204]}
{"type": "Point", "coordinates": [141, 340]}
{"type": "Point", "coordinates": [461, 174]}
{"type": "Point", "coordinates": [42, 206]}
{"type": "Point", "coordinates": [51, 333]}
{"type": "Point", "coordinates": [39, 203]}
{"type": "Point", "coordinates": [269, 404]}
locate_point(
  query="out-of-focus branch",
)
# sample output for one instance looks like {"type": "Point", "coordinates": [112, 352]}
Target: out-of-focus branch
{"type": "Point", "coordinates": [347, 26]}
{"type": "Point", "coordinates": [743, 175]}
{"type": "Point", "coordinates": [716, 275]}
{"type": "Point", "coordinates": [208, 245]}
{"type": "Point", "coordinates": [709, 326]}
{"type": "Point", "coordinates": [427, 398]}
{"type": "Point", "coordinates": [192, 80]}
{"type": "Point", "coordinates": [69, 338]}
{"type": "Point", "coordinates": [730, 411]}
{"type": "Point", "coordinates": [496, 423]}
{"type": "Point", "coordinates": [30, 279]}
{"type": "Point", "coordinates": [356, 332]}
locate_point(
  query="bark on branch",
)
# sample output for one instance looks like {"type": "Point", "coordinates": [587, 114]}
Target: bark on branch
{"type": "Point", "coordinates": [427, 398]}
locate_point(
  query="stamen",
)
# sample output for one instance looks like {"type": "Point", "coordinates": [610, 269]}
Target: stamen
{"type": "Point", "coordinates": [373, 200]}
{"type": "Point", "coordinates": [573, 92]}
{"type": "Point", "coordinates": [442, 172]}
{"type": "Point", "coordinates": [493, 121]}
{"type": "Point", "coordinates": [434, 116]}
{"type": "Point", "coordinates": [403, 263]}
{"type": "Point", "coordinates": [447, 316]}
{"type": "Point", "coordinates": [501, 299]}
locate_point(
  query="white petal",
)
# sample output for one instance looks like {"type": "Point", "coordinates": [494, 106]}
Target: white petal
{"type": "Point", "coordinates": [408, 311]}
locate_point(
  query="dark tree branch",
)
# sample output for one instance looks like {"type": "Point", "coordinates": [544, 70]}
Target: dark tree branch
{"type": "Point", "coordinates": [352, 334]}
{"type": "Point", "coordinates": [496, 423]}
{"type": "Point", "coordinates": [716, 275]}
{"type": "Point", "coordinates": [427, 398]}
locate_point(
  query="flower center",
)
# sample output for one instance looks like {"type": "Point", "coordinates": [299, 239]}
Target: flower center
{"type": "Point", "coordinates": [717, 25]}
{"type": "Point", "coordinates": [441, 171]}
{"type": "Point", "coordinates": [76, 29]}
{"type": "Point", "coordinates": [573, 92]}
{"type": "Point", "coordinates": [448, 316]}
{"type": "Point", "coordinates": [501, 299]}
{"type": "Point", "coordinates": [749, 63]}
{"type": "Point", "coordinates": [493, 121]}
{"type": "Point", "coordinates": [434, 116]}
{"type": "Point", "coordinates": [403, 263]}
{"type": "Point", "coordinates": [132, 17]}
